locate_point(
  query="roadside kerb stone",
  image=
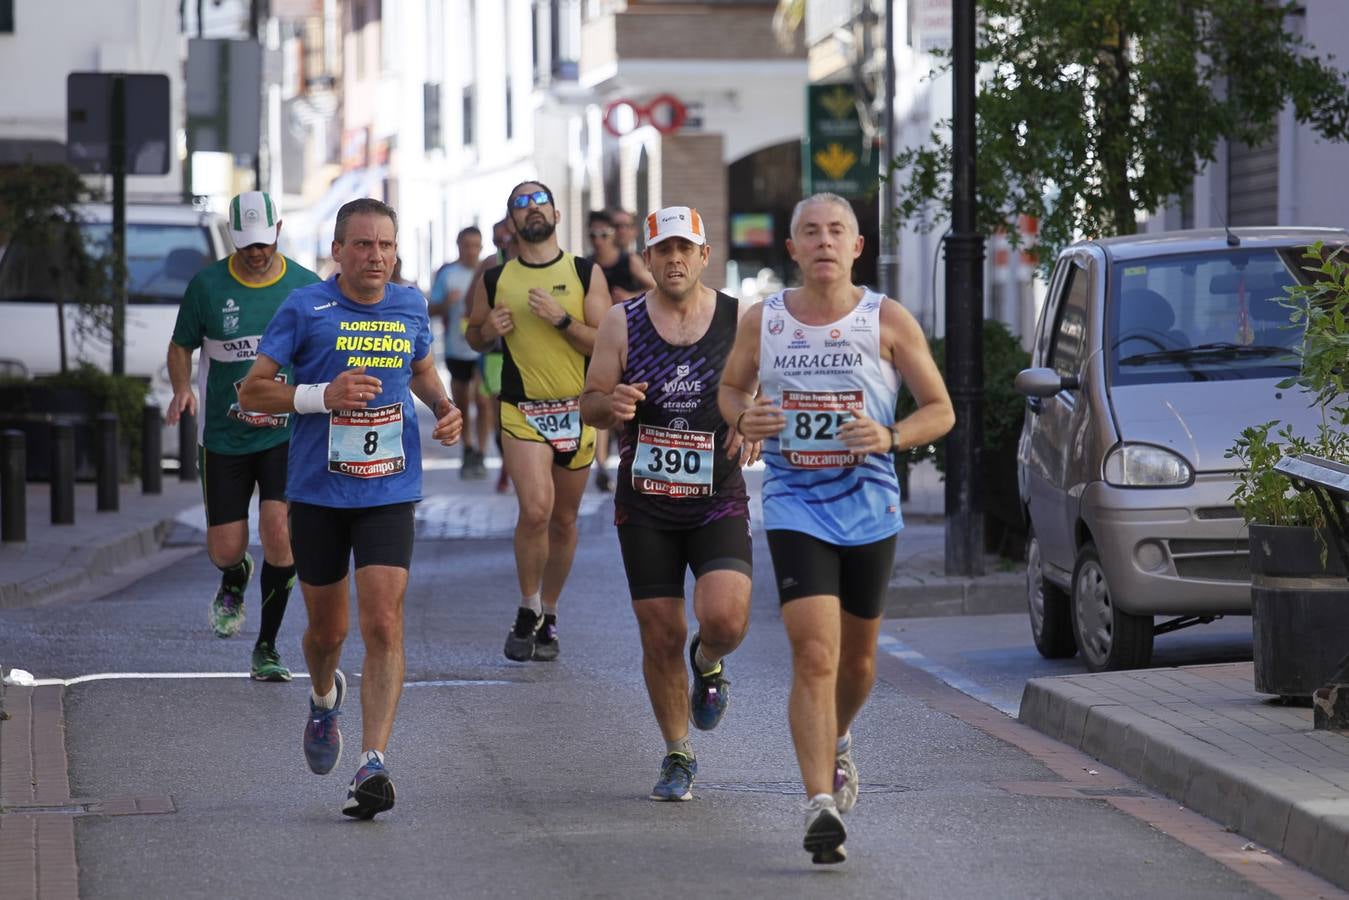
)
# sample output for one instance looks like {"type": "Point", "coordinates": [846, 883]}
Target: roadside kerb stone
{"type": "Point", "coordinates": [1227, 753]}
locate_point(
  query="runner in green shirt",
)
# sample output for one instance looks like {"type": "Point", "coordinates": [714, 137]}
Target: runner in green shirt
{"type": "Point", "coordinates": [224, 312]}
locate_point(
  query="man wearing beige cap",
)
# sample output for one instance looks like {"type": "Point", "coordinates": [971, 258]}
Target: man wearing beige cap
{"type": "Point", "coordinates": [224, 312]}
{"type": "Point", "coordinates": [680, 501]}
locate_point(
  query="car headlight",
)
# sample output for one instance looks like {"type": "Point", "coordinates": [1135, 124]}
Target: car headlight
{"type": "Point", "coordinates": [1146, 465]}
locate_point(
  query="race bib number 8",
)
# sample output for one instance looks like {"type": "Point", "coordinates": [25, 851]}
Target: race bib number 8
{"type": "Point", "coordinates": [810, 440]}
{"type": "Point", "coordinates": [366, 443]}
{"type": "Point", "coordinates": [558, 421]}
{"type": "Point", "coordinates": [672, 463]}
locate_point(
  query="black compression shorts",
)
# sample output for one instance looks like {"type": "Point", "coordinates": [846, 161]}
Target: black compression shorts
{"type": "Point", "coordinates": [806, 566]}
{"type": "Point", "coordinates": [227, 481]}
{"type": "Point", "coordinates": [655, 558]}
{"type": "Point", "coordinates": [324, 538]}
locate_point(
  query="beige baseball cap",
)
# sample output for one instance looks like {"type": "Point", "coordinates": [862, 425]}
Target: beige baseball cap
{"type": "Point", "coordinates": [675, 221]}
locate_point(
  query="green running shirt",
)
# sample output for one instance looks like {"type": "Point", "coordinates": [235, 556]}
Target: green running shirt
{"type": "Point", "coordinates": [226, 318]}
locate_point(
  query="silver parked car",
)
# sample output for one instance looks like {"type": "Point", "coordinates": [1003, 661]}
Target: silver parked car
{"type": "Point", "coordinates": [1152, 353]}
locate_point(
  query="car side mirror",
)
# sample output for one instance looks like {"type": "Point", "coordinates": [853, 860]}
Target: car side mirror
{"type": "Point", "coordinates": [1044, 382]}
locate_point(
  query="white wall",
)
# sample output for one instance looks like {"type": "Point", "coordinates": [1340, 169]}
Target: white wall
{"type": "Point", "coordinates": [53, 38]}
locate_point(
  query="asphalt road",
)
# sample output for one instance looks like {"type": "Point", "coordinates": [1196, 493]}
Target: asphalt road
{"type": "Point", "coordinates": [531, 779]}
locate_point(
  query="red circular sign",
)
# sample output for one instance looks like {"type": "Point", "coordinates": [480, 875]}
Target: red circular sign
{"type": "Point", "coordinates": [665, 113]}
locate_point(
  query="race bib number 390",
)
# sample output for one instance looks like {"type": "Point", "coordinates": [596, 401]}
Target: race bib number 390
{"type": "Point", "coordinates": [673, 463]}
{"type": "Point", "coordinates": [810, 440]}
{"type": "Point", "coordinates": [366, 443]}
{"type": "Point", "coordinates": [558, 421]}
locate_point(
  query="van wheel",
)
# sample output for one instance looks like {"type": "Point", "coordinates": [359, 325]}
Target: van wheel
{"type": "Point", "coordinates": [1051, 615]}
{"type": "Point", "coordinates": [1107, 637]}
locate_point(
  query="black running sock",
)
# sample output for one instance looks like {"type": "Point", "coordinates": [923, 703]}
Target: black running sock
{"type": "Point", "coordinates": [276, 584]}
{"type": "Point", "coordinates": [234, 578]}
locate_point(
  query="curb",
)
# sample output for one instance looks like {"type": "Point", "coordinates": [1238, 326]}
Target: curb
{"type": "Point", "coordinates": [1293, 818]}
{"type": "Point", "coordinates": [85, 563]}
{"type": "Point", "coordinates": [912, 596]}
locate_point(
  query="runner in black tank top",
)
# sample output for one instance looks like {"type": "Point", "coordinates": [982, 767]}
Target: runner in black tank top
{"type": "Point", "coordinates": [681, 503]}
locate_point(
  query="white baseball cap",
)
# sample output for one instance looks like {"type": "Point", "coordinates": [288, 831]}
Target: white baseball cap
{"type": "Point", "coordinates": [254, 219]}
{"type": "Point", "coordinates": [675, 221]}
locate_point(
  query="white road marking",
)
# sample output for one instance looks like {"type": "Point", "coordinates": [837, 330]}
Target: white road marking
{"type": "Point", "coordinates": [147, 676]}
{"type": "Point", "coordinates": [903, 652]}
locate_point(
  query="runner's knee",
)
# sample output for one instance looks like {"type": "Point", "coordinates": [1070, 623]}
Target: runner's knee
{"type": "Point", "coordinates": [814, 659]}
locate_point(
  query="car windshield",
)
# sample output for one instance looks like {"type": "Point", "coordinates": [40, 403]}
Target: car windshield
{"type": "Point", "coordinates": [1203, 317]}
{"type": "Point", "coordinates": [161, 259]}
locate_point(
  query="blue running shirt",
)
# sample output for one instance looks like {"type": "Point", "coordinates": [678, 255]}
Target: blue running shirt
{"type": "Point", "coordinates": [355, 458]}
{"type": "Point", "coordinates": [819, 374]}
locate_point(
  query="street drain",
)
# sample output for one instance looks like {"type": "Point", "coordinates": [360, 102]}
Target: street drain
{"type": "Point", "coordinates": [791, 787]}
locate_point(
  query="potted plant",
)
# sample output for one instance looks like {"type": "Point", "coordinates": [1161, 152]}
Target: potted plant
{"type": "Point", "coordinates": [1299, 591]}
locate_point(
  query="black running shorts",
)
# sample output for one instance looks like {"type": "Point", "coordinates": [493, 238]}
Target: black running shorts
{"type": "Point", "coordinates": [805, 566]}
{"type": "Point", "coordinates": [655, 558]}
{"type": "Point", "coordinates": [227, 481]}
{"type": "Point", "coordinates": [461, 370]}
{"type": "Point", "coordinates": [324, 538]}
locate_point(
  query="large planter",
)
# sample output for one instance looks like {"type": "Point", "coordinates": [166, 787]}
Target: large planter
{"type": "Point", "coordinates": [1299, 609]}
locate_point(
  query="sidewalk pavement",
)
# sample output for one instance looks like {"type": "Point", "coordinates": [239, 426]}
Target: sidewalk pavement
{"type": "Point", "coordinates": [1198, 734]}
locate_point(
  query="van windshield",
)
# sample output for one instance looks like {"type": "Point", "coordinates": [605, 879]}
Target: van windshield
{"type": "Point", "coordinates": [161, 259]}
{"type": "Point", "coordinates": [1210, 316]}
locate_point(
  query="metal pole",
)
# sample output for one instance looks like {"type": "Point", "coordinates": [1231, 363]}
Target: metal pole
{"type": "Point", "coordinates": [63, 473]}
{"type": "Point", "coordinates": [152, 452]}
{"type": "Point", "coordinates": [117, 148]}
{"type": "Point", "coordinates": [187, 447]}
{"type": "Point", "coordinates": [888, 263]}
{"type": "Point", "coordinates": [964, 317]}
{"type": "Point", "coordinates": [107, 469]}
{"type": "Point", "coordinates": [13, 483]}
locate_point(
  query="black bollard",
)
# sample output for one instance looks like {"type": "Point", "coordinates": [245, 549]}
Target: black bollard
{"type": "Point", "coordinates": [105, 460]}
{"type": "Point", "coordinates": [63, 473]}
{"type": "Point", "coordinates": [13, 475]}
{"type": "Point", "coordinates": [152, 451]}
{"type": "Point", "coordinates": [187, 447]}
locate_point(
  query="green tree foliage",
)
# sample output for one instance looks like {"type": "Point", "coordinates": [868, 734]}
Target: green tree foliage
{"type": "Point", "coordinates": [1093, 111]}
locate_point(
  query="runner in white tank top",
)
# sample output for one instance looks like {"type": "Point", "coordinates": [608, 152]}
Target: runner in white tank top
{"type": "Point", "coordinates": [826, 361]}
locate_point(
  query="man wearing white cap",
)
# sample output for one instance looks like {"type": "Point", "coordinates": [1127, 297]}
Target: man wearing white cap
{"type": "Point", "coordinates": [680, 501]}
{"type": "Point", "coordinates": [826, 361]}
{"type": "Point", "coordinates": [225, 310]}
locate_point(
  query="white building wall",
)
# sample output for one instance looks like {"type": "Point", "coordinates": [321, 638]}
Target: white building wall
{"type": "Point", "coordinates": [53, 38]}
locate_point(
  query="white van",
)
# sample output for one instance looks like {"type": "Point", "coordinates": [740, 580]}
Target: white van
{"type": "Point", "coordinates": [166, 245]}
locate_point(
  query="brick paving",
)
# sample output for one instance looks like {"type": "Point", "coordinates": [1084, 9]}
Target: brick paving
{"type": "Point", "coordinates": [37, 842]}
{"type": "Point", "coordinates": [1203, 736]}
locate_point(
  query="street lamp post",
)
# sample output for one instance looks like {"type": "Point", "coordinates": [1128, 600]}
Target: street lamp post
{"type": "Point", "coordinates": [888, 263]}
{"type": "Point", "coordinates": [964, 317]}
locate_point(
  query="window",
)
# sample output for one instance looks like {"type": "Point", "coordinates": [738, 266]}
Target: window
{"type": "Point", "coordinates": [1070, 331]}
{"type": "Point", "coordinates": [6, 16]}
{"type": "Point", "coordinates": [468, 106]}
{"type": "Point", "coordinates": [431, 131]}
{"type": "Point", "coordinates": [510, 110]}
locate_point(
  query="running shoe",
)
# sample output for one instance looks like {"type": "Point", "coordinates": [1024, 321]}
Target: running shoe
{"type": "Point", "coordinates": [267, 664]}
{"type": "Point", "coordinates": [322, 737]}
{"type": "Point", "coordinates": [602, 482]}
{"type": "Point", "coordinates": [845, 781]}
{"type": "Point", "coordinates": [227, 609]}
{"type": "Point", "coordinates": [546, 647]}
{"type": "Point", "coordinates": [676, 778]}
{"type": "Point", "coordinates": [825, 833]}
{"type": "Point", "coordinates": [370, 793]}
{"type": "Point", "coordinates": [520, 639]}
{"type": "Point", "coordinates": [711, 692]}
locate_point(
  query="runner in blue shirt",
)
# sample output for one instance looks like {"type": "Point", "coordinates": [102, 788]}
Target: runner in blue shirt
{"type": "Point", "coordinates": [359, 348]}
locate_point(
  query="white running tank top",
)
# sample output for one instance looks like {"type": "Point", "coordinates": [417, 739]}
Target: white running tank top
{"type": "Point", "coordinates": [820, 375]}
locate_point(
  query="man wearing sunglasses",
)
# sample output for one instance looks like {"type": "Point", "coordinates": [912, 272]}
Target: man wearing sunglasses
{"type": "Point", "coordinates": [224, 312]}
{"type": "Point", "coordinates": [545, 305]}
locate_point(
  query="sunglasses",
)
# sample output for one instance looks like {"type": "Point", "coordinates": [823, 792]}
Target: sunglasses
{"type": "Point", "coordinates": [539, 197]}
{"type": "Point", "coordinates": [602, 234]}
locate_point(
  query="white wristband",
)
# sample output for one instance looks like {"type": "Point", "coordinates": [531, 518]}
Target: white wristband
{"type": "Point", "coordinates": [309, 398]}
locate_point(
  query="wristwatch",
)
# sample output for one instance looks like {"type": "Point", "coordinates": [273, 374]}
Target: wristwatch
{"type": "Point", "coordinates": [894, 440]}
{"type": "Point", "coordinates": [565, 323]}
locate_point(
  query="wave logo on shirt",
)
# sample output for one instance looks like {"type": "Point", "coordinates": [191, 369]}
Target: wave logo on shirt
{"type": "Point", "coordinates": [682, 384]}
{"type": "Point", "coordinates": [775, 326]}
{"type": "Point", "coordinates": [230, 316]}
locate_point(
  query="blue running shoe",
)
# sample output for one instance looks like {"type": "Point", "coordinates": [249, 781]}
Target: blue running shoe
{"type": "Point", "coordinates": [711, 692]}
{"type": "Point", "coordinates": [371, 791]}
{"type": "Point", "coordinates": [676, 778]}
{"type": "Point", "coordinates": [322, 737]}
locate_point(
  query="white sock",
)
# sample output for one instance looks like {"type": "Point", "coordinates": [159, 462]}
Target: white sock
{"type": "Point", "coordinates": [705, 664]}
{"type": "Point", "coordinates": [373, 755]}
{"type": "Point", "coordinates": [680, 746]}
{"type": "Point", "coordinates": [532, 603]}
{"type": "Point", "coordinates": [844, 743]}
{"type": "Point", "coordinates": [549, 609]}
{"type": "Point", "coordinates": [328, 700]}
{"type": "Point", "coordinates": [824, 800]}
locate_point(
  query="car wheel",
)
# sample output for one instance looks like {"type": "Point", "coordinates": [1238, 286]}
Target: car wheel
{"type": "Point", "coordinates": [1051, 615]}
{"type": "Point", "coordinates": [1107, 637]}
